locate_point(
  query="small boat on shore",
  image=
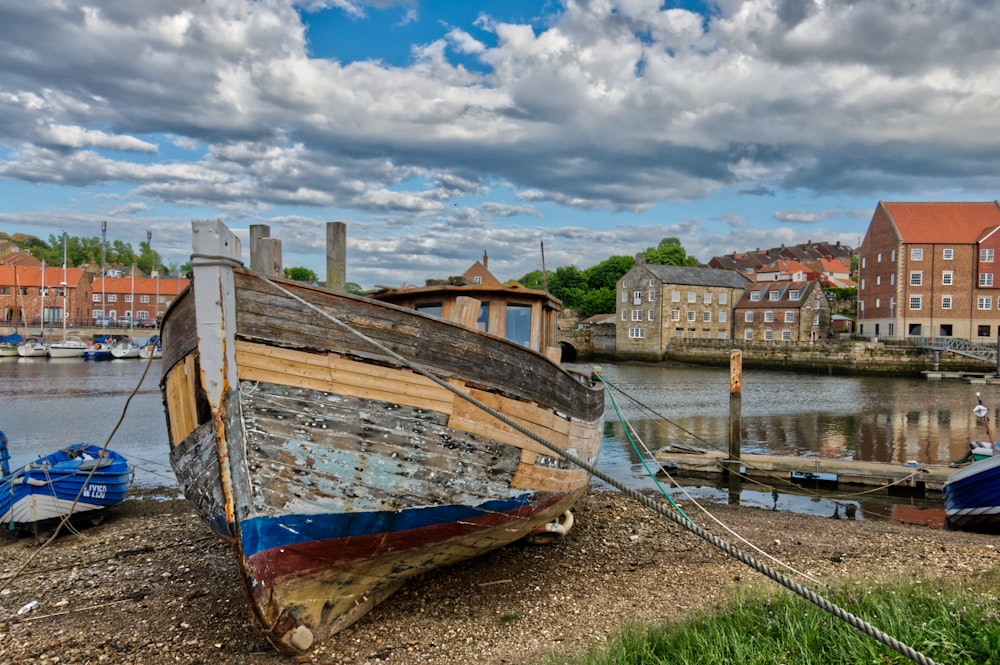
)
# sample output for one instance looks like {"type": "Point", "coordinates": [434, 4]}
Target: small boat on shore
{"type": "Point", "coordinates": [344, 444]}
{"type": "Point", "coordinates": [972, 494]}
{"type": "Point", "coordinates": [77, 479]}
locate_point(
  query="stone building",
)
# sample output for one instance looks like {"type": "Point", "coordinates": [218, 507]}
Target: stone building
{"type": "Point", "coordinates": [658, 305]}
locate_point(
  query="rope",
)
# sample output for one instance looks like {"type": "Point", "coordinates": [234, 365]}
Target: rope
{"type": "Point", "coordinates": [661, 509]}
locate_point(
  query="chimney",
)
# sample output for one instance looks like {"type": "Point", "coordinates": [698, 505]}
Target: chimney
{"type": "Point", "coordinates": [486, 260]}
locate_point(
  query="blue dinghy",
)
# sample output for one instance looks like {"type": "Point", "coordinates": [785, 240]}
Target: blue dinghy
{"type": "Point", "coordinates": [76, 479]}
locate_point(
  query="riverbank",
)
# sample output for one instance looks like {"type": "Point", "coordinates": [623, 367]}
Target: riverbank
{"type": "Point", "coordinates": [151, 585]}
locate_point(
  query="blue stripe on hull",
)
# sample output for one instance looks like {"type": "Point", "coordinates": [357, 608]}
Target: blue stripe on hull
{"type": "Point", "coordinates": [264, 533]}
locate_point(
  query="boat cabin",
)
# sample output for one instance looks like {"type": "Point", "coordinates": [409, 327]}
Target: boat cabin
{"type": "Point", "coordinates": [521, 315]}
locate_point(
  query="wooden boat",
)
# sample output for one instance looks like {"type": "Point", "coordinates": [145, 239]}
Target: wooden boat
{"type": "Point", "coordinates": [77, 479]}
{"type": "Point", "coordinates": [972, 494]}
{"type": "Point", "coordinates": [304, 430]}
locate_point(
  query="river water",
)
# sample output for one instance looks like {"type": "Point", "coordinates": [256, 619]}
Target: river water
{"type": "Point", "coordinates": [46, 404]}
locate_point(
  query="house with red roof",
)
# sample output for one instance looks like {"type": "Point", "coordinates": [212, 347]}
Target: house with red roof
{"type": "Point", "coordinates": [931, 270]}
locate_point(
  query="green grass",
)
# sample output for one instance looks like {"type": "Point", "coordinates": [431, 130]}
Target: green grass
{"type": "Point", "coordinates": [949, 622]}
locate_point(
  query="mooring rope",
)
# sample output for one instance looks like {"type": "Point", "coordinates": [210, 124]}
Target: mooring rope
{"type": "Point", "coordinates": [852, 620]}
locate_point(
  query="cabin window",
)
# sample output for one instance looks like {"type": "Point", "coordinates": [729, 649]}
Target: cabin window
{"type": "Point", "coordinates": [519, 324]}
{"type": "Point", "coordinates": [434, 309]}
{"type": "Point", "coordinates": [483, 321]}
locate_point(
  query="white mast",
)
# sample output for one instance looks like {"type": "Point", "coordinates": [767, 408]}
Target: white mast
{"type": "Point", "coordinates": [65, 289]}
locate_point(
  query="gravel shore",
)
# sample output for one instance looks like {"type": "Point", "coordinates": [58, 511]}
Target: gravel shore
{"type": "Point", "coordinates": [151, 585]}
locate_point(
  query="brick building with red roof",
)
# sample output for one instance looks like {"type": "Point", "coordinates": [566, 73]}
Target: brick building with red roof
{"type": "Point", "coordinates": [931, 270]}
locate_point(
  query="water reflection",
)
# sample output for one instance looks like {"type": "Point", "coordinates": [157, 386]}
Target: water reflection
{"type": "Point", "coordinates": [865, 418]}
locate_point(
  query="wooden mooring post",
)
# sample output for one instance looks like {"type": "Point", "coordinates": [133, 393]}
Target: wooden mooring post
{"type": "Point", "coordinates": [732, 465]}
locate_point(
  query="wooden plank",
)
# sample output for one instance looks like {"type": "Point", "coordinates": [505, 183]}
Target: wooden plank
{"type": "Point", "coordinates": [547, 479]}
{"type": "Point", "coordinates": [287, 367]}
{"type": "Point", "coordinates": [180, 396]}
{"type": "Point", "coordinates": [848, 471]}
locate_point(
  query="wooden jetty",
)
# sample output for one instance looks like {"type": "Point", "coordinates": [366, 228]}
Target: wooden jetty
{"type": "Point", "coordinates": [902, 480]}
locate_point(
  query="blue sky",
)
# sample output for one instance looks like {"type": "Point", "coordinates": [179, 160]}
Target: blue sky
{"type": "Point", "coordinates": [438, 131]}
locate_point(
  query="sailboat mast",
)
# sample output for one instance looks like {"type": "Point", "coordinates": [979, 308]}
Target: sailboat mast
{"type": "Point", "coordinates": [65, 289]}
{"type": "Point", "coordinates": [104, 276]}
{"type": "Point", "coordinates": [41, 313]}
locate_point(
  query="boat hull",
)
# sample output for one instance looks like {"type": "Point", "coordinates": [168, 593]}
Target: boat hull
{"type": "Point", "coordinates": [972, 497]}
{"type": "Point", "coordinates": [337, 472]}
{"type": "Point", "coordinates": [77, 479]}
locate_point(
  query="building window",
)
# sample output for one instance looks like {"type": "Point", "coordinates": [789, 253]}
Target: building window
{"type": "Point", "coordinates": [649, 296]}
{"type": "Point", "coordinates": [636, 333]}
{"type": "Point", "coordinates": [878, 280]}
{"type": "Point", "coordinates": [893, 255]}
{"type": "Point", "coordinates": [878, 303]}
{"type": "Point", "coordinates": [690, 316]}
{"type": "Point", "coordinates": [794, 294]}
{"type": "Point", "coordinates": [96, 297]}
{"type": "Point", "coordinates": [722, 334]}
{"type": "Point", "coordinates": [947, 253]}
{"type": "Point", "coordinates": [862, 284]}
{"type": "Point", "coordinates": [747, 334]}
{"type": "Point", "coordinates": [985, 279]}
{"type": "Point", "coordinates": [916, 254]}
{"type": "Point", "coordinates": [706, 317]}
{"type": "Point", "coordinates": [755, 296]}
{"type": "Point", "coordinates": [984, 302]}
{"type": "Point", "coordinates": [945, 302]}
{"type": "Point", "coordinates": [624, 315]}
{"type": "Point", "coordinates": [624, 283]}
{"type": "Point", "coordinates": [768, 317]}
{"type": "Point", "coordinates": [986, 256]}
{"type": "Point", "coordinates": [722, 317]}
{"type": "Point", "coordinates": [649, 316]}
{"type": "Point", "coordinates": [768, 335]}
{"type": "Point", "coordinates": [692, 297]}
{"type": "Point", "coordinates": [789, 317]}
{"type": "Point", "coordinates": [892, 279]}
{"type": "Point", "coordinates": [675, 296]}
{"type": "Point", "coordinates": [786, 335]}
{"type": "Point", "coordinates": [624, 296]}
{"type": "Point", "coordinates": [128, 297]}
{"type": "Point", "coordinates": [637, 315]}
{"type": "Point", "coordinates": [637, 298]}
{"type": "Point", "coordinates": [916, 302]}
{"type": "Point", "coordinates": [774, 295]}
{"type": "Point", "coordinates": [916, 278]}
{"type": "Point", "coordinates": [722, 298]}
{"type": "Point", "coordinates": [864, 261]}
{"type": "Point", "coordinates": [707, 298]}
{"type": "Point", "coordinates": [675, 315]}
{"type": "Point", "coordinates": [947, 278]}
{"type": "Point", "coordinates": [748, 317]}
{"type": "Point", "coordinates": [984, 331]}
{"type": "Point", "coordinates": [652, 282]}
{"type": "Point", "coordinates": [816, 320]}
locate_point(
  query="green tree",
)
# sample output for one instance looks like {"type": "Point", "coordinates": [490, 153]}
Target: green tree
{"type": "Point", "coordinates": [355, 288]}
{"type": "Point", "coordinates": [569, 284]}
{"type": "Point", "coordinates": [669, 252]}
{"type": "Point", "coordinates": [300, 274]}
{"type": "Point", "coordinates": [601, 301]}
{"type": "Point", "coordinates": [605, 275]}
{"type": "Point", "coordinates": [149, 260]}
{"type": "Point", "coordinates": [533, 280]}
